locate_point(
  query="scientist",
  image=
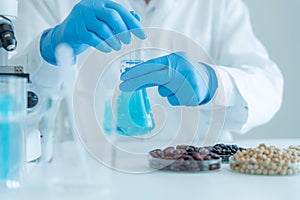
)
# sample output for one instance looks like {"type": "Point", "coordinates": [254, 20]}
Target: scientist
{"type": "Point", "coordinates": [252, 83]}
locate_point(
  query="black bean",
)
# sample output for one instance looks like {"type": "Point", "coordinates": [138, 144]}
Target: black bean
{"type": "Point", "coordinates": [190, 149]}
{"type": "Point", "coordinates": [187, 157]}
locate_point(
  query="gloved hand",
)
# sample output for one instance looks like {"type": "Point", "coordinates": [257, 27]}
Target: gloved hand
{"type": "Point", "coordinates": [102, 24]}
{"type": "Point", "coordinates": [180, 80]}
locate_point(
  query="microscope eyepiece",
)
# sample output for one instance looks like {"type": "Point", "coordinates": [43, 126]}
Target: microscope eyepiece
{"type": "Point", "coordinates": [7, 36]}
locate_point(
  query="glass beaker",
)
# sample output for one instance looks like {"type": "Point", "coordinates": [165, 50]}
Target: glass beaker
{"type": "Point", "coordinates": [134, 116]}
{"type": "Point", "coordinates": [13, 107]}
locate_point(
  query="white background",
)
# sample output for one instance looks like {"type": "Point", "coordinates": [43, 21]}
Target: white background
{"type": "Point", "coordinates": [276, 24]}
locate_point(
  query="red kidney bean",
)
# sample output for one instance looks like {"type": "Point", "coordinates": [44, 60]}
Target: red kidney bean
{"type": "Point", "coordinates": [186, 158]}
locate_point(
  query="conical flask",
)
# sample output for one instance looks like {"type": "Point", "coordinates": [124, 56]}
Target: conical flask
{"type": "Point", "coordinates": [134, 116]}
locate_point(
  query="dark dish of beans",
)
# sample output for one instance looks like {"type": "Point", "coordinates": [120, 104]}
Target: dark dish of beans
{"type": "Point", "coordinates": [184, 158]}
{"type": "Point", "coordinates": [225, 151]}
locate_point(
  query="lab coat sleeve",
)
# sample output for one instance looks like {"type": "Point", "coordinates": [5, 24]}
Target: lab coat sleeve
{"type": "Point", "coordinates": [250, 84]}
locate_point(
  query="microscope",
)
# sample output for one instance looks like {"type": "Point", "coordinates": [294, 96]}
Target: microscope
{"type": "Point", "coordinates": [8, 43]}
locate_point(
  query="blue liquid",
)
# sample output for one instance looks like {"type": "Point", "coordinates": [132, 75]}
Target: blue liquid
{"type": "Point", "coordinates": [12, 151]}
{"type": "Point", "coordinates": [134, 116]}
{"type": "Point", "coordinates": [108, 123]}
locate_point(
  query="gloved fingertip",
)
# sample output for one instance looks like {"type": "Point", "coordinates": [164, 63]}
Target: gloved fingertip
{"type": "Point", "coordinates": [136, 15]}
{"type": "Point", "coordinates": [114, 43]}
{"type": "Point", "coordinates": [125, 37]}
{"type": "Point", "coordinates": [104, 48]}
{"type": "Point", "coordinates": [140, 33]}
{"type": "Point", "coordinates": [174, 103]}
{"type": "Point", "coordinates": [116, 47]}
{"type": "Point", "coordinates": [108, 51]}
{"type": "Point", "coordinates": [123, 87]}
{"type": "Point", "coordinates": [123, 76]}
{"type": "Point", "coordinates": [173, 100]}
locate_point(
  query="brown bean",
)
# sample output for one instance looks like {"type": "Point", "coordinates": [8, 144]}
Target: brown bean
{"type": "Point", "coordinates": [197, 156]}
{"type": "Point", "coordinates": [186, 158]}
{"type": "Point", "coordinates": [208, 157]}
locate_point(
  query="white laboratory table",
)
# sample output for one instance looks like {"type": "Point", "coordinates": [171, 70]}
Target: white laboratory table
{"type": "Point", "coordinates": [223, 184]}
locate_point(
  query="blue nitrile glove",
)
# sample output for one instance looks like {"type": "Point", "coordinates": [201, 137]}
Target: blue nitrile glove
{"type": "Point", "coordinates": [102, 24]}
{"type": "Point", "coordinates": [180, 80]}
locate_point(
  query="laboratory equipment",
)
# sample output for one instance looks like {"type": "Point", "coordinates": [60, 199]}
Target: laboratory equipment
{"type": "Point", "coordinates": [184, 158]}
{"type": "Point", "coordinates": [134, 116]}
{"type": "Point", "coordinates": [12, 138]}
{"type": "Point", "coordinates": [14, 101]}
{"type": "Point", "coordinates": [8, 40]}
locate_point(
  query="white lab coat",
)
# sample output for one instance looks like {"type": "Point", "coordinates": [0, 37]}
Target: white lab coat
{"type": "Point", "coordinates": [252, 83]}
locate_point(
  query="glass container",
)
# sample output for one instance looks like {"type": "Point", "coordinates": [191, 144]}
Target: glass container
{"type": "Point", "coordinates": [13, 105]}
{"type": "Point", "coordinates": [134, 116]}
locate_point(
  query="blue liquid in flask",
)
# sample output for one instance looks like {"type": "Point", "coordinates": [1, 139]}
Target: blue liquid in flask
{"type": "Point", "coordinates": [134, 116]}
